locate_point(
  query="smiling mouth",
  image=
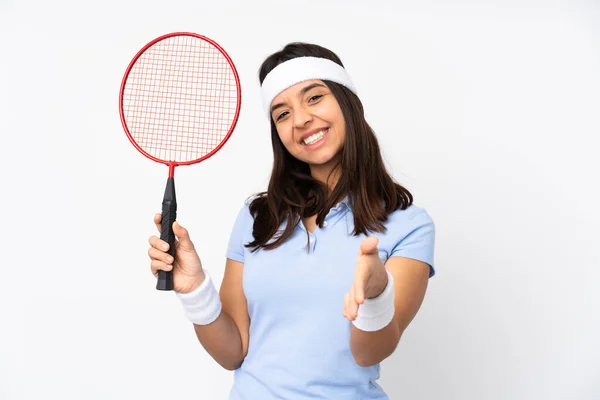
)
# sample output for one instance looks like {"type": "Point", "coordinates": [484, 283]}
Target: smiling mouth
{"type": "Point", "coordinates": [312, 139]}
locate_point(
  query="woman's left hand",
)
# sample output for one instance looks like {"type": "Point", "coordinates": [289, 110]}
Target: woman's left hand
{"type": "Point", "coordinates": [370, 278]}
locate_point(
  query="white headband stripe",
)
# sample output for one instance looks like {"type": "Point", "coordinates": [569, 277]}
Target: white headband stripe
{"type": "Point", "coordinates": [298, 70]}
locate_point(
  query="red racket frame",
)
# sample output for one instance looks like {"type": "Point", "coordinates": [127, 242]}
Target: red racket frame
{"type": "Point", "coordinates": [173, 164]}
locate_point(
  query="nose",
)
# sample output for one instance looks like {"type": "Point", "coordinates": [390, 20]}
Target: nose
{"type": "Point", "coordinates": [301, 117]}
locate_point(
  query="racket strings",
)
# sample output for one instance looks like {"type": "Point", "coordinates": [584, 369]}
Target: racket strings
{"type": "Point", "coordinates": [180, 99]}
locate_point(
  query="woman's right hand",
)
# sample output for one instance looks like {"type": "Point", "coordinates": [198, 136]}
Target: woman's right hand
{"type": "Point", "coordinates": [187, 268]}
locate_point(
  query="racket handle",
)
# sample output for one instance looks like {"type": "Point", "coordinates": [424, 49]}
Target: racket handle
{"type": "Point", "coordinates": [169, 214]}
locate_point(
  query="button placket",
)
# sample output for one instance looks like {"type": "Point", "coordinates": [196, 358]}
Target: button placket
{"type": "Point", "coordinates": [312, 241]}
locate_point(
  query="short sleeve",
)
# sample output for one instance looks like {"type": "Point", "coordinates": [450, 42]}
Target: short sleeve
{"type": "Point", "coordinates": [419, 242]}
{"type": "Point", "coordinates": [241, 227]}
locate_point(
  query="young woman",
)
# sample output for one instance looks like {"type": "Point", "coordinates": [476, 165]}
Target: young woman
{"type": "Point", "coordinates": [327, 268]}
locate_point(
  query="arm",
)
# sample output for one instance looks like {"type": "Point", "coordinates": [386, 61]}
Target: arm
{"type": "Point", "coordinates": [410, 283]}
{"type": "Point", "coordinates": [226, 339]}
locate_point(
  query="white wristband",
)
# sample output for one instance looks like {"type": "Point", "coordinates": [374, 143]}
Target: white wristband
{"type": "Point", "coordinates": [203, 305]}
{"type": "Point", "coordinates": [375, 314]}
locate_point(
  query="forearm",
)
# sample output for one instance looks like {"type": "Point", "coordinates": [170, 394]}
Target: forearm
{"type": "Point", "coordinates": [370, 348]}
{"type": "Point", "coordinates": [222, 340]}
{"type": "Point", "coordinates": [375, 333]}
{"type": "Point", "coordinates": [215, 328]}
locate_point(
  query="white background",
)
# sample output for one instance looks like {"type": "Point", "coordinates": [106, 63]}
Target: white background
{"type": "Point", "coordinates": [489, 112]}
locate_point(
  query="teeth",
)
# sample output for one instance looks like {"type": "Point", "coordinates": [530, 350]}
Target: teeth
{"type": "Point", "coordinates": [314, 138]}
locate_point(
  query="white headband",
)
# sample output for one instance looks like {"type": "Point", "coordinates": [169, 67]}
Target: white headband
{"type": "Point", "coordinates": [298, 70]}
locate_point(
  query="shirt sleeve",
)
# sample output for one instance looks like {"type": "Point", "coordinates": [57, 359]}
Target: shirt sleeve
{"type": "Point", "coordinates": [239, 234]}
{"type": "Point", "coordinates": [419, 242]}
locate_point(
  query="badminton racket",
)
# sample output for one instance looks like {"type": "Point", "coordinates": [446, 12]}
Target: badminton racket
{"type": "Point", "coordinates": [179, 103]}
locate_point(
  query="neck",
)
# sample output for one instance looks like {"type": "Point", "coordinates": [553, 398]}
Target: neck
{"type": "Point", "coordinates": [326, 173]}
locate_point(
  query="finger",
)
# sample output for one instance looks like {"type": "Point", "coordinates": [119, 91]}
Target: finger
{"type": "Point", "coordinates": [352, 306]}
{"type": "Point", "coordinates": [157, 243]}
{"type": "Point", "coordinates": [361, 274]}
{"type": "Point", "coordinates": [369, 246]}
{"type": "Point", "coordinates": [157, 220]}
{"type": "Point", "coordinates": [156, 265]}
{"type": "Point", "coordinates": [159, 255]}
{"type": "Point", "coordinates": [359, 292]}
{"type": "Point", "coordinates": [183, 235]}
{"type": "Point", "coordinates": [345, 310]}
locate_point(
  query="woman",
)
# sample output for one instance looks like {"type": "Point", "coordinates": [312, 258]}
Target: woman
{"type": "Point", "coordinates": [327, 268]}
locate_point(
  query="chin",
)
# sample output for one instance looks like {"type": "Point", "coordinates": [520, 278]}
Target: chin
{"type": "Point", "coordinates": [320, 160]}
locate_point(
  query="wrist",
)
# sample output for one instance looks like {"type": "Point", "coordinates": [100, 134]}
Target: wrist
{"type": "Point", "coordinates": [202, 306]}
{"type": "Point", "coordinates": [196, 283]}
{"type": "Point", "coordinates": [376, 313]}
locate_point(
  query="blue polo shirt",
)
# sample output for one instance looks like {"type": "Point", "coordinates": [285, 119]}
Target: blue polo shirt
{"type": "Point", "coordinates": [299, 341]}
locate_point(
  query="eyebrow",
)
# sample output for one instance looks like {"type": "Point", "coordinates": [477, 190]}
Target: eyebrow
{"type": "Point", "coordinates": [302, 92]}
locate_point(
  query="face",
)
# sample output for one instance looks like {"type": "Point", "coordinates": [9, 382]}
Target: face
{"type": "Point", "coordinates": [310, 122]}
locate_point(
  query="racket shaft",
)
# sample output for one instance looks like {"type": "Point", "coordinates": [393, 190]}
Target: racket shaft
{"type": "Point", "coordinates": [169, 214]}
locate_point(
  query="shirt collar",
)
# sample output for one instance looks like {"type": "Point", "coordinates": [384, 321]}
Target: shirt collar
{"type": "Point", "coordinates": [344, 202]}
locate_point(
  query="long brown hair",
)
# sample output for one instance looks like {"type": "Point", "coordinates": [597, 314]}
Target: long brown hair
{"type": "Point", "coordinates": [294, 194]}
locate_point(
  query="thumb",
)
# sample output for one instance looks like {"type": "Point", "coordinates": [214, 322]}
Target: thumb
{"type": "Point", "coordinates": [359, 285]}
{"type": "Point", "coordinates": [369, 246]}
{"type": "Point", "coordinates": [183, 236]}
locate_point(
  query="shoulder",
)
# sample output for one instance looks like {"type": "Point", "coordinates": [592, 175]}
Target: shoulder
{"type": "Point", "coordinates": [410, 233]}
{"type": "Point", "coordinates": [256, 204]}
{"type": "Point", "coordinates": [251, 205]}
{"type": "Point", "coordinates": [412, 216]}
{"type": "Point", "coordinates": [246, 210]}
{"type": "Point", "coordinates": [241, 232]}
{"type": "Point", "coordinates": [254, 207]}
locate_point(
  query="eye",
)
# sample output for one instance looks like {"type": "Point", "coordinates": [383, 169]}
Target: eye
{"type": "Point", "coordinates": [283, 114]}
{"type": "Point", "coordinates": [315, 98]}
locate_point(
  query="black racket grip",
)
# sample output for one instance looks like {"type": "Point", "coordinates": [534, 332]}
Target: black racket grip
{"type": "Point", "coordinates": [169, 214]}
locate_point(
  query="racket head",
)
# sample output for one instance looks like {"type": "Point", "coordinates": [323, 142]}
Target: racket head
{"type": "Point", "coordinates": [180, 99]}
